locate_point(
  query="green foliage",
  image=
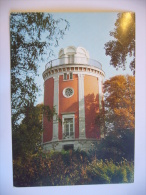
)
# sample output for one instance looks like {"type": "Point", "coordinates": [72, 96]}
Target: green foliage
{"type": "Point", "coordinates": [69, 168]}
{"type": "Point", "coordinates": [27, 136]}
{"type": "Point", "coordinates": [54, 168]}
{"type": "Point", "coordinates": [123, 43]}
{"type": "Point", "coordinates": [108, 172]}
{"type": "Point", "coordinates": [32, 37]}
{"type": "Point", "coordinates": [115, 147]}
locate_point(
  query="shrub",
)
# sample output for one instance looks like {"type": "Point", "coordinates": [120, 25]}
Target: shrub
{"type": "Point", "coordinates": [101, 172]}
{"type": "Point", "coordinates": [69, 168]}
{"type": "Point", "coordinates": [115, 147]}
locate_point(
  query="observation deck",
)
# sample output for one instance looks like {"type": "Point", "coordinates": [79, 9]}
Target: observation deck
{"type": "Point", "coordinates": [73, 61]}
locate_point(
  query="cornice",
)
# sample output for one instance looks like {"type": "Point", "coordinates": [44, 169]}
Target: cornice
{"type": "Point", "coordinates": [74, 68]}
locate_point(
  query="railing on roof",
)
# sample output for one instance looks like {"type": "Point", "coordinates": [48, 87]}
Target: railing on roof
{"type": "Point", "coordinates": [73, 60]}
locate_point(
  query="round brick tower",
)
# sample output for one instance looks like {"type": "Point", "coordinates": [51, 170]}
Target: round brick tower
{"type": "Point", "coordinates": [73, 84]}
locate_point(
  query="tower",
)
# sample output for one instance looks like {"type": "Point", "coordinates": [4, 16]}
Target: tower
{"type": "Point", "coordinates": [73, 84]}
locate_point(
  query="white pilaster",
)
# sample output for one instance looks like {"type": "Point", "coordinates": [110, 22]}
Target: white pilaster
{"type": "Point", "coordinates": [56, 104]}
{"type": "Point", "coordinates": [81, 106]}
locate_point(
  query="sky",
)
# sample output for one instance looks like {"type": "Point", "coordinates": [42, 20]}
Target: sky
{"type": "Point", "coordinates": [91, 31]}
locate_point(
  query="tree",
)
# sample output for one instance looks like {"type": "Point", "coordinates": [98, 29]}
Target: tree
{"type": "Point", "coordinates": [27, 136]}
{"type": "Point", "coordinates": [117, 119]}
{"type": "Point", "coordinates": [124, 41]}
{"type": "Point", "coordinates": [32, 36]}
{"type": "Point", "coordinates": [115, 147]}
{"type": "Point", "coordinates": [119, 95]}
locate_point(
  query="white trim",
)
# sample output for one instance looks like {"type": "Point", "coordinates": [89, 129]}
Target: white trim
{"type": "Point", "coordinates": [74, 72]}
{"type": "Point", "coordinates": [81, 106]}
{"type": "Point", "coordinates": [67, 73]}
{"type": "Point", "coordinates": [64, 76]}
{"type": "Point", "coordinates": [56, 104]}
{"type": "Point", "coordinates": [90, 70]}
{"type": "Point", "coordinates": [70, 74]}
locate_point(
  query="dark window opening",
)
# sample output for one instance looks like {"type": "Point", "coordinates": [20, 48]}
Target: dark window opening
{"type": "Point", "coordinates": [70, 75]}
{"type": "Point", "coordinates": [68, 147]}
{"type": "Point", "coordinates": [65, 76]}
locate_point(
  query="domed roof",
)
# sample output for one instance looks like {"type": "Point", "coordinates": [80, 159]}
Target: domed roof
{"type": "Point", "coordinates": [71, 50]}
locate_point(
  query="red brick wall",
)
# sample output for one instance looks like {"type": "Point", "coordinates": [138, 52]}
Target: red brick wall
{"type": "Point", "coordinates": [68, 105]}
{"type": "Point", "coordinates": [91, 95]}
{"type": "Point", "coordinates": [71, 105]}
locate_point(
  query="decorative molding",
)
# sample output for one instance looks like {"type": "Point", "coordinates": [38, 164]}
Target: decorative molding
{"type": "Point", "coordinates": [75, 69]}
{"type": "Point", "coordinates": [65, 113]}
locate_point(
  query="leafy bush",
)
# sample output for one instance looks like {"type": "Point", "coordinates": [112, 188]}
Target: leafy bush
{"type": "Point", "coordinates": [69, 168]}
{"type": "Point", "coordinates": [115, 147]}
{"type": "Point", "coordinates": [101, 172]}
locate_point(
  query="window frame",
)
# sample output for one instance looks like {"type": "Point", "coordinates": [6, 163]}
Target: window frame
{"type": "Point", "coordinates": [65, 79]}
{"type": "Point", "coordinates": [65, 90]}
{"type": "Point", "coordinates": [70, 75]}
{"type": "Point", "coordinates": [68, 116]}
{"type": "Point", "coordinates": [71, 59]}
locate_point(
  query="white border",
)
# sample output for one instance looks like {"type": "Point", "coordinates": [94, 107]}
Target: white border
{"type": "Point", "coordinates": [6, 174]}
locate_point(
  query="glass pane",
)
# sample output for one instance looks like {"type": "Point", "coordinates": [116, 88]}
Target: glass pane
{"type": "Point", "coordinates": [68, 92]}
{"type": "Point", "coordinates": [68, 120]}
{"type": "Point", "coordinates": [71, 76]}
{"type": "Point", "coordinates": [71, 127]}
{"type": "Point", "coordinates": [65, 76]}
{"type": "Point", "coordinates": [71, 133]}
{"type": "Point", "coordinates": [67, 129]}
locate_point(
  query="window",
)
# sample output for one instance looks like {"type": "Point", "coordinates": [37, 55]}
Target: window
{"type": "Point", "coordinates": [68, 92]}
{"type": "Point", "coordinates": [70, 75]}
{"type": "Point", "coordinates": [71, 59]}
{"type": "Point", "coordinates": [65, 76]}
{"type": "Point", "coordinates": [68, 126]}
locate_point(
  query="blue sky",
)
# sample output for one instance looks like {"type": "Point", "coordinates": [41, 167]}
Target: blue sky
{"type": "Point", "coordinates": [91, 31]}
